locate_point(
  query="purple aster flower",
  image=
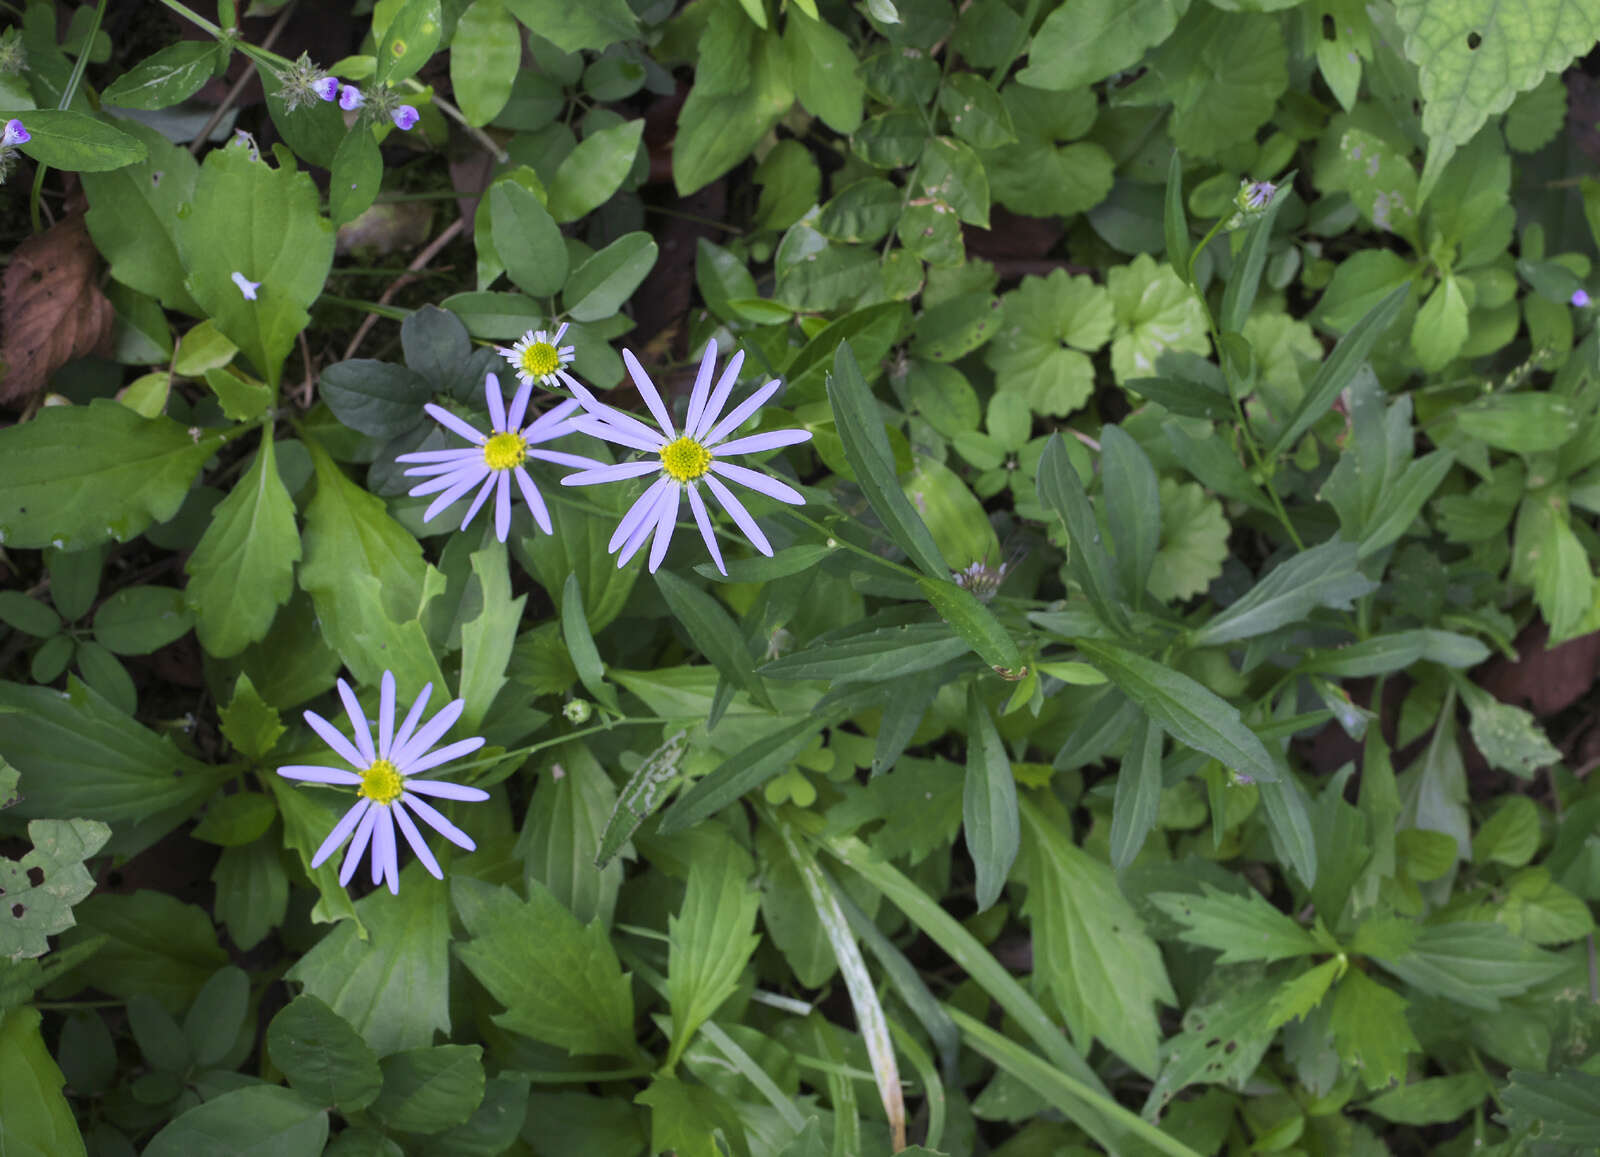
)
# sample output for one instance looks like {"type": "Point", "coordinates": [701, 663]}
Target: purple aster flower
{"type": "Point", "coordinates": [386, 794]}
{"type": "Point", "coordinates": [684, 459]}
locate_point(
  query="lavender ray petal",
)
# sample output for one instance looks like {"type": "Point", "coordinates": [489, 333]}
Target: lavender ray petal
{"type": "Point", "coordinates": [719, 396]}
{"type": "Point", "coordinates": [739, 514]}
{"type": "Point", "coordinates": [771, 487]}
{"type": "Point", "coordinates": [741, 413]}
{"type": "Point", "coordinates": [341, 832]}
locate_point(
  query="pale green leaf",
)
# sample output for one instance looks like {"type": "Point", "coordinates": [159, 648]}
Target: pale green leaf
{"type": "Point", "coordinates": [711, 936]}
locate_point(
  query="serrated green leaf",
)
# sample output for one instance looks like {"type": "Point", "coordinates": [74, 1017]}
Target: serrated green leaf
{"type": "Point", "coordinates": [1370, 1029]}
{"type": "Point", "coordinates": [34, 911]}
{"type": "Point", "coordinates": [1240, 927]}
{"type": "Point", "coordinates": [1561, 1107]}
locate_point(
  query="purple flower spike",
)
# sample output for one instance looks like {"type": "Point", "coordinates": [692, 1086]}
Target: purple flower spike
{"type": "Point", "coordinates": [327, 88]}
{"type": "Point", "coordinates": [15, 134]}
{"type": "Point", "coordinates": [350, 98]}
{"type": "Point", "coordinates": [404, 117]}
{"type": "Point", "coordinates": [1580, 298]}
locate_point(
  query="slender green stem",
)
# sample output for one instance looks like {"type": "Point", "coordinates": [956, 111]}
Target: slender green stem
{"type": "Point", "coordinates": [530, 749]}
{"type": "Point", "coordinates": [836, 540]}
{"type": "Point", "coordinates": [62, 105]}
{"type": "Point", "coordinates": [392, 312]}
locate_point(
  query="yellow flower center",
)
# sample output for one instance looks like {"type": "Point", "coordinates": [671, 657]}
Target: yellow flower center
{"type": "Point", "coordinates": [685, 460]}
{"type": "Point", "coordinates": [504, 450]}
{"type": "Point", "coordinates": [540, 359]}
{"type": "Point", "coordinates": [381, 783]}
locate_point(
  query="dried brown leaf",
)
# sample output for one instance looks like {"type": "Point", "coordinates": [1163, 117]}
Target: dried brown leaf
{"type": "Point", "coordinates": [51, 310]}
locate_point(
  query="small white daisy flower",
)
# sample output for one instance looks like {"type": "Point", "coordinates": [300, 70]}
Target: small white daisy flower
{"type": "Point", "coordinates": [539, 357]}
{"type": "Point", "coordinates": [494, 458]}
{"type": "Point", "coordinates": [387, 794]}
{"type": "Point", "coordinates": [684, 459]}
{"type": "Point", "coordinates": [246, 286]}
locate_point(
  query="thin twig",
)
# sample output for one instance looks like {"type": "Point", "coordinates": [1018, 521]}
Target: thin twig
{"type": "Point", "coordinates": [238, 86]}
{"type": "Point", "coordinates": [305, 387]}
{"type": "Point", "coordinates": [405, 279]}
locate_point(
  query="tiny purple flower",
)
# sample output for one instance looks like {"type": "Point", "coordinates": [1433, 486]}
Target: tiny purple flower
{"type": "Point", "coordinates": [246, 286]}
{"type": "Point", "coordinates": [1259, 194]}
{"type": "Point", "coordinates": [404, 117]}
{"type": "Point", "coordinates": [327, 88]}
{"type": "Point", "coordinates": [1580, 298]}
{"type": "Point", "coordinates": [350, 98]}
{"type": "Point", "coordinates": [15, 134]}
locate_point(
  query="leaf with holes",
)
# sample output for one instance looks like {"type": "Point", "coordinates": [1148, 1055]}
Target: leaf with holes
{"type": "Point", "coordinates": [40, 889]}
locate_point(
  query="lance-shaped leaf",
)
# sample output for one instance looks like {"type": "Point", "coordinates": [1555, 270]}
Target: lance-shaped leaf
{"type": "Point", "coordinates": [711, 936]}
{"type": "Point", "coordinates": [1062, 491]}
{"type": "Point", "coordinates": [1324, 576]}
{"type": "Point", "coordinates": [988, 802]}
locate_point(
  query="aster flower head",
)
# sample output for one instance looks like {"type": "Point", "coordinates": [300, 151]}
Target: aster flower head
{"type": "Point", "coordinates": [15, 134]}
{"type": "Point", "coordinates": [981, 579]}
{"type": "Point", "coordinates": [494, 458]}
{"type": "Point", "coordinates": [1254, 196]}
{"type": "Point", "coordinates": [387, 795]}
{"type": "Point", "coordinates": [539, 356]}
{"type": "Point", "coordinates": [246, 286]}
{"type": "Point", "coordinates": [684, 459]}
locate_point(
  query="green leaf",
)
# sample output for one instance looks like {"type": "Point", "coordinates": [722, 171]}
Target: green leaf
{"type": "Point", "coordinates": [35, 1118]}
{"type": "Point", "coordinates": [711, 937]}
{"type": "Point", "coordinates": [561, 836]}
{"type": "Point", "coordinates": [427, 1090]}
{"type": "Point", "coordinates": [717, 131]}
{"type": "Point", "coordinates": [1289, 827]}
{"type": "Point", "coordinates": [713, 631]}
{"type": "Point", "coordinates": [989, 803]}
{"type": "Point", "coordinates": [376, 398]}
{"type": "Point", "coordinates": [1138, 800]}
{"type": "Point", "coordinates": [1297, 997]}
{"type": "Point", "coordinates": [137, 620]}
{"type": "Point", "coordinates": [598, 287]}
{"type": "Point", "coordinates": [34, 911]}
{"type": "Point", "coordinates": [1370, 1029]}
{"type": "Point", "coordinates": [1473, 964]}
{"type": "Point", "coordinates": [243, 568]}
{"type": "Point", "coordinates": [527, 239]}
{"type": "Point", "coordinates": [80, 756]}
{"type": "Point", "coordinates": [1244, 279]}
{"type": "Point", "coordinates": [236, 819]}
{"type": "Point", "coordinates": [860, 426]}
{"type": "Point", "coordinates": [214, 1020]}
{"type": "Point", "coordinates": [1092, 39]}
{"type": "Point", "coordinates": [1194, 539]}
{"type": "Point", "coordinates": [252, 891]}
{"type": "Point", "coordinates": [578, 547]}
{"type": "Point", "coordinates": [1240, 927]}
{"type": "Point", "coordinates": [684, 1118]}
{"type": "Point", "coordinates": [1061, 490]}
{"type": "Point", "coordinates": [1341, 366]}
{"type": "Point", "coordinates": [572, 27]}
{"type": "Point", "coordinates": [78, 142]}
{"type": "Point", "coordinates": [1562, 1107]}
{"type": "Point", "coordinates": [410, 39]}
{"type": "Point", "coordinates": [488, 639]}
{"type": "Point", "coordinates": [133, 217]}
{"type": "Point", "coordinates": [1187, 711]}
{"type": "Point", "coordinates": [1511, 835]}
{"type": "Point", "coordinates": [1133, 509]}
{"type": "Point", "coordinates": [1224, 73]}
{"type": "Point", "coordinates": [560, 981]}
{"type": "Point", "coordinates": [1050, 326]}
{"type": "Point", "coordinates": [1103, 970]}
{"type": "Point", "coordinates": [951, 173]}
{"type": "Point", "coordinates": [824, 72]}
{"type": "Point", "coordinates": [1037, 175]}
{"type": "Point", "coordinates": [1224, 1035]}
{"type": "Point", "coordinates": [174, 74]}
{"type": "Point", "coordinates": [30, 616]}
{"type": "Point", "coordinates": [258, 1121]}
{"type": "Point", "coordinates": [1174, 221]}
{"type": "Point", "coordinates": [1155, 312]}
{"type": "Point", "coordinates": [1379, 178]}
{"type": "Point", "coordinates": [644, 792]}
{"type": "Point", "coordinates": [1521, 423]}
{"type": "Point", "coordinates": [955, 517]}
{"type": "Point", "coordinates": [976, 111]}
{"type": "Point", "coordinates": [307, 819]}
{"type": "Point", "coordinates": [1324, 576]}
{"type": "Point", "coordinates": [975, 623]}
{"type": "Point", "coordinates": [580, 645]}
{"type": "Point", "coordinates": [54, 491]}
{"type": "Point", "coordinates": [1474, 56]}
{"type": "Point", "coordinates": [356, 176]}
{"type": "Point", "coordinates": [323, 1056]}
{"type": "Point", "coordinates": [393, 983]}
{"type": "Point", "coordinates": [1440, 328]}
{"type": "Point", "coordinates": [485, 54]}
{"type": "Point", "coordinates": [283, 243]}
{"type": "Point", "coordinates": [593, 171]}
{"type": "Point", "coordinates": [151, 945]}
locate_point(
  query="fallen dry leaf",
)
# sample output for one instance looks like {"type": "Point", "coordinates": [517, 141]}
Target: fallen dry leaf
{"type": "Point", "coordinates": [51, 310]}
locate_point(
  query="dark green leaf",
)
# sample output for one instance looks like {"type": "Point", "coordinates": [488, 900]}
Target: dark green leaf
{"type": "Point", "coordinates": [258, 1121]}
{"type": "Point", "coordinates": [323, 1056]}
{"type": "Point", "coordinates": [171, 75]}
{"type": "Point", "coordinates": [78, 142]}
{"type": "Point", "coordinates": [428, 1090]}
{"type": "Point", "coordinates": [138, 620]}
{"type": "Point", "coordinates": [711, 629]}
{"type": "Point", "coordinates": [1324, 576]}
{"type": "Point", "coordinates": [1138, 798]}
{"type": "Point", "coordinates": [527, 240]}
{"type": "Point", "coordinates": [989, 803]}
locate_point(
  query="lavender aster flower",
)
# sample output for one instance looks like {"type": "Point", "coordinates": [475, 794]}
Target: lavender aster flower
{"type": "Point", "coordinates": [386, 794]}
{"type": "Point", "coordinates": [684, 459]}
{"type": "Point", "coordinates": [494, 458]}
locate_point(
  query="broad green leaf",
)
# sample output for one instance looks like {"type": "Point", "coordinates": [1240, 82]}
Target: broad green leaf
{"type": "Point", "coordinates": [975, 623]}
{"type": "Point", "coordinates": [1224, 1035]}
{"type": "Point", "coordinates": [1474, 56]}
{"type": "Point", "coordinates": [323, 1056]}
{"type": "Point", "coordinates": [217, 1015]}
{"type": "Point", "coordinates": [133, 217]}
{"type": "Point", "coordinates": [527, 240]}
{"type": "Point", "coordinates": [1324, 576]}
{"type": "Point", "coordinates": [1194, 539]}
{"type": "Point", "coordinates": [236, 819]}
{"type": "Point", "coordinates": [80, 756]}
{"type": "Point", "coordinates": [393, 984]}
{"type": "Point", "coordinates": [140, 619]}
{"type": "Point", "coordinates": [1038, 175]}
{"type": "Point", "coordinates": [599, 287]}
{"type": "Point", "coordinates": [1240, 927]}
{"type": "Point", "coordinates": [1155, 311]}
{"type": "Point", "coordinates": [1104, 972]}
{"type": "Point", "coordinates": [1379, 178]}
{"type": "Point", "coordinates": [487, 640]}
{"type": "Point", "coordinates": [1370, 1029]}
{"type": "Point", "coordinates": [1133, 509]}
{"type": "Point", "coordinates": [153, 945]}
{"type": "Point", "coordinates": [860, 425]}
{"type": "Point", "coordinates": [1138, 800]}
{"type": "Point", "coordinates": [77, 142]}
{"type": "Point", "coordinates": [711, 937]}
{"type": "Point", "coordinates": [1089, 40]}
{"type": "Point", "coordinates": [427, 1090]}
{"type": "Point", "coordinates": [356, 176]}
{"type": "Point", "coordinates": [1187, 711]}
{"type": "Point", "coordinates": [1440, 328]}
{"type": "Point", "coordinates": [560, 841]}
{"type": "Point", "coordinates": [571, 27]}
{"type": "Point", "coordinates": [376, 398]}
{"type": "Point", "coordinates": [714, 633]}
{"type": "Point", "coordinates": [410, 39]}
{"type": "Point", "coordinates": [1061, 490]}
{"type": "Point", "coordinates": [824, 71]}
{"type": "Point", "coordinates": [1050, 326]}
{"type": "Point", "coordinates": [716, 132]}
{"type": "Point", "coordinates": [989, 802]}
{"type": "Point", "coordinates": [644, 792]}
{"type": "Point", "coordinates": [35, 1118]}
{"type": "Point", "coordinates": [256, 1121]}
{"type": "Point", "coordinates": [1521, 423]}
{"type": "Point", "coordinates": [174, 74]}
{"type": "Point", "coordinates": [1473, 964]}
{"type": "Point", "coordinates": [76, 476]}
{"type": "Point", "coordinates": [284, 243]}
{"type": "Point", "coordinates": [1224, 73]}
{"type": "Point", "coordinates": [34, 911]}
{"type": "Point", "coordinates": [593, 171]}
{"type": "Point", "coordinates": [28, 615]}
{"type": "Point", "coordinates": [1562, 1107]}
{"type": "Point", "coordinates": [1508, 736]}
{"type": "Point", "coordinates": [484, 58]}
{"type": "Point", "coordinates": [559, 981]}
{"type": "Point", "coordinates": [955, 517]}
{"type": "Point", "coordinates": [684, 1118]}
